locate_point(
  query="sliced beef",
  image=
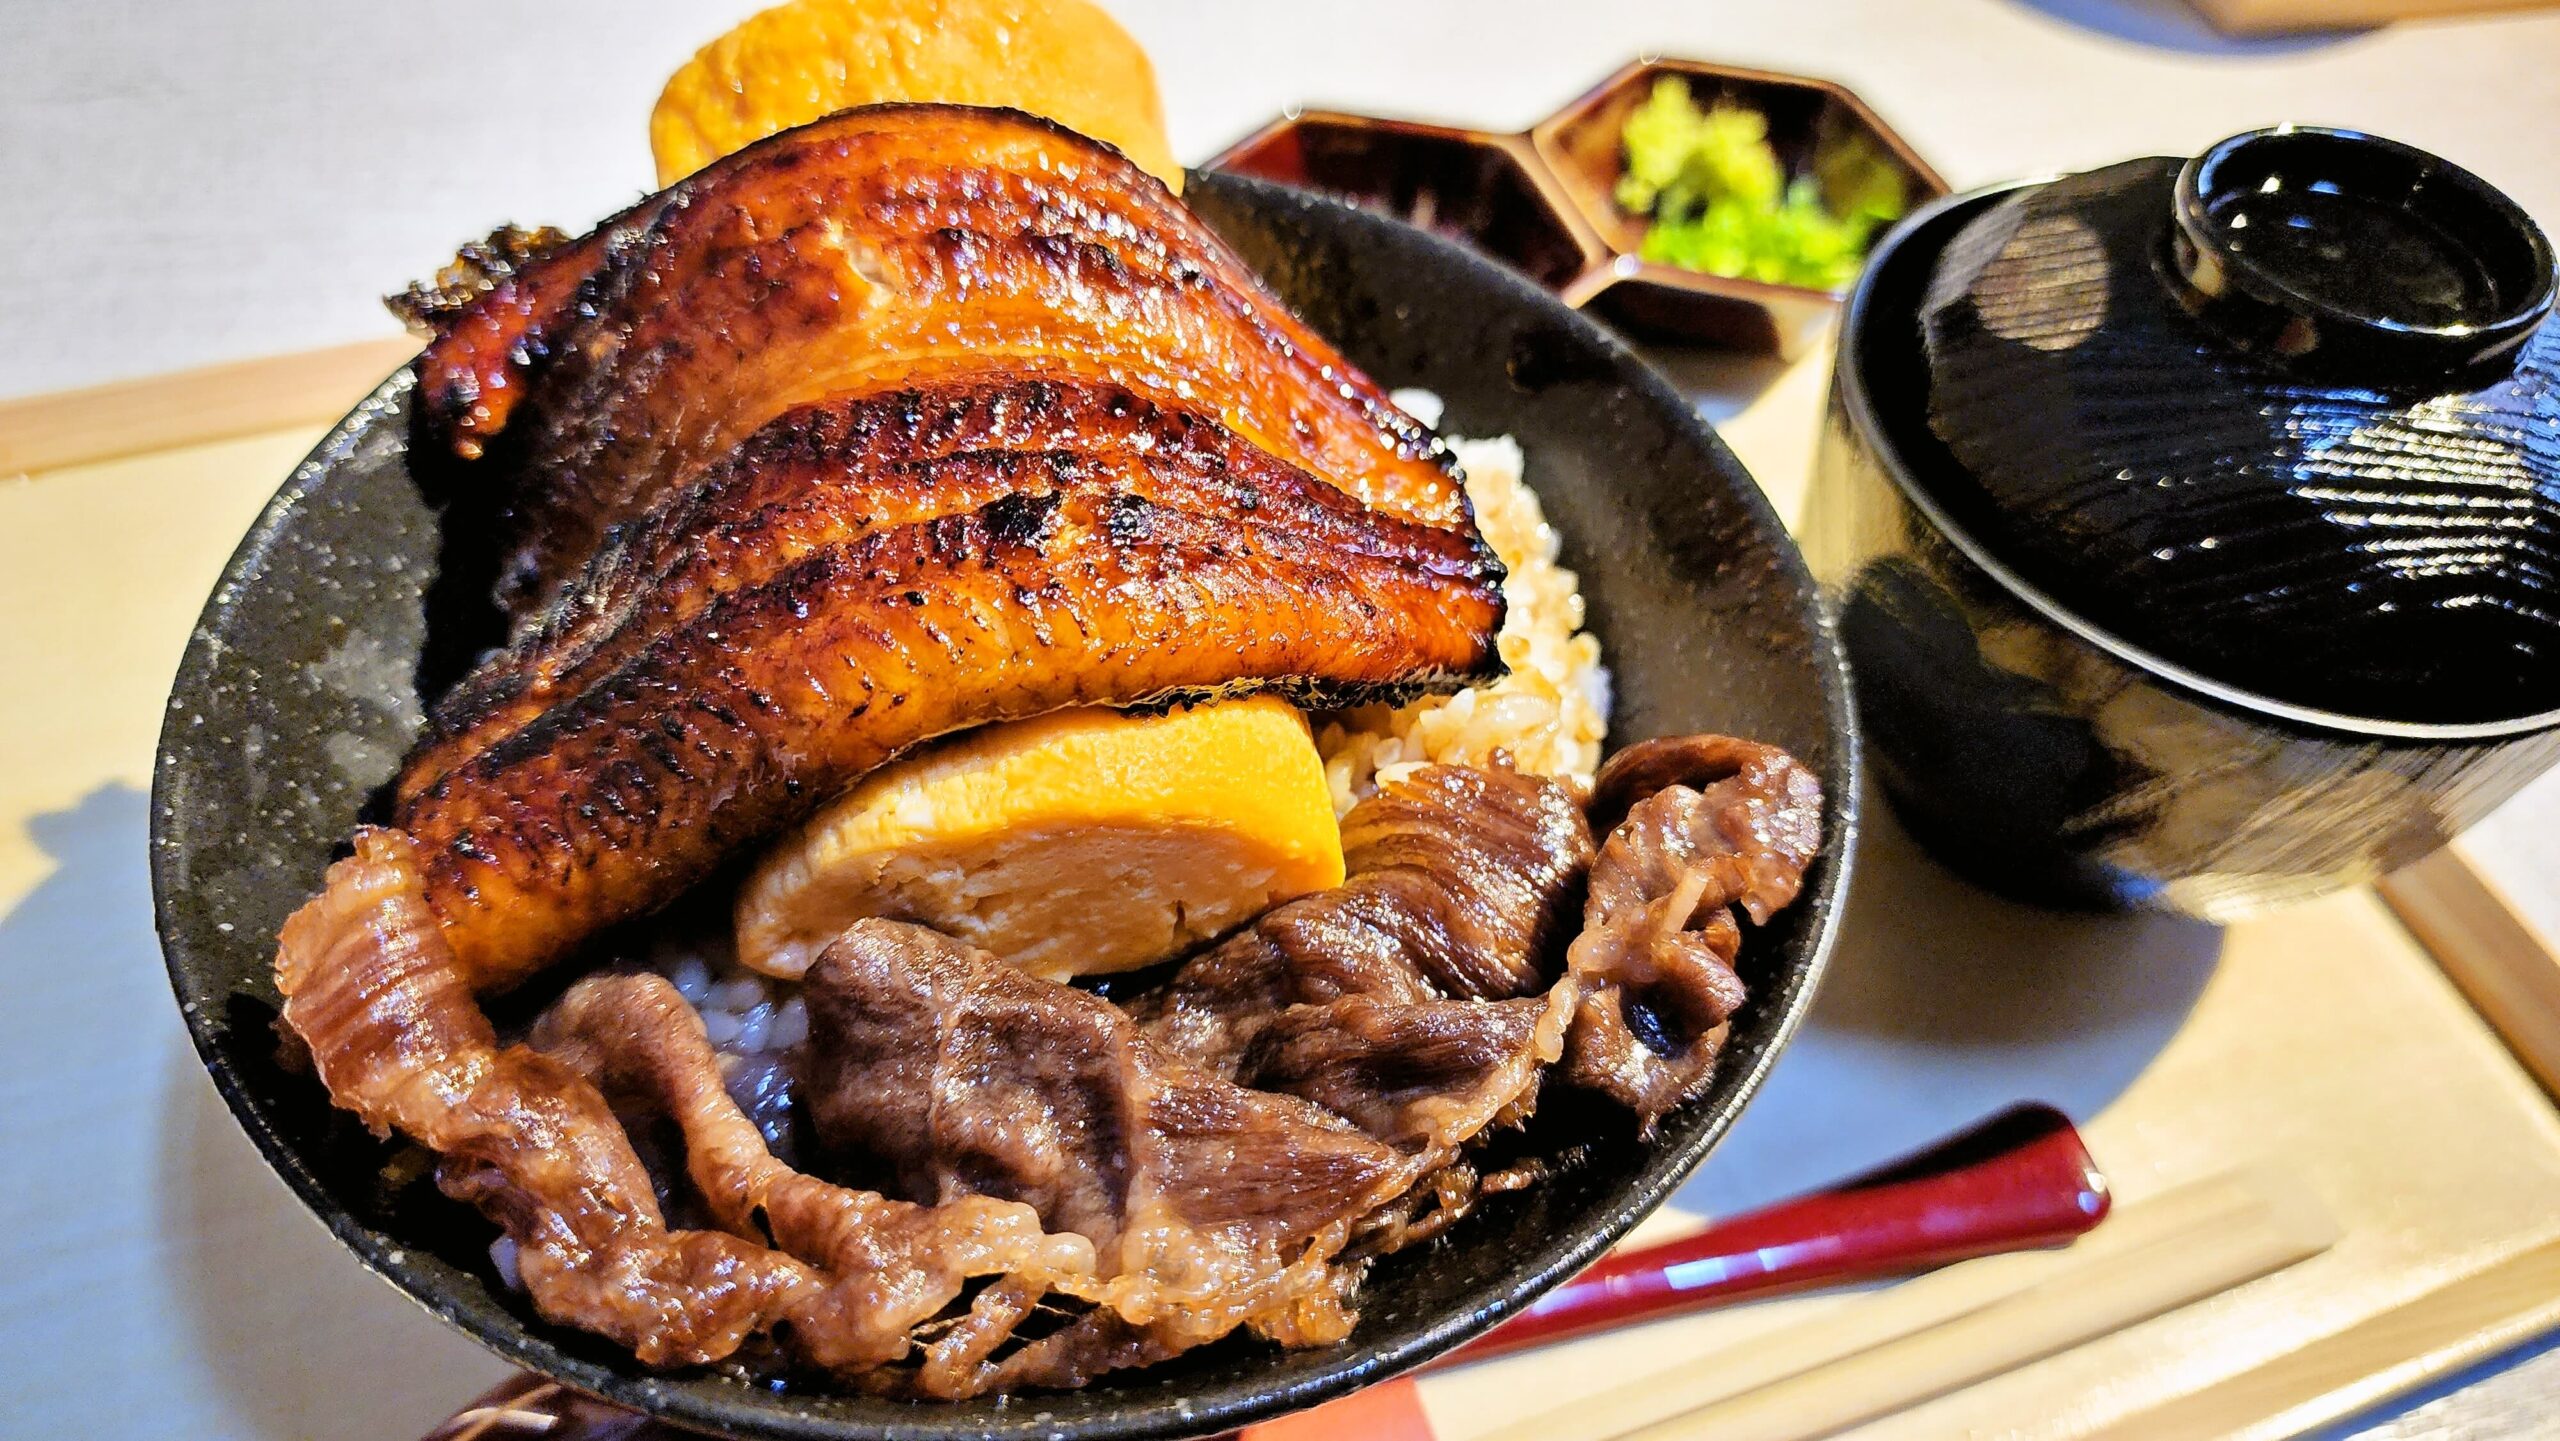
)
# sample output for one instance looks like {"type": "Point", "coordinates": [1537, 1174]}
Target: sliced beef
{"type": "Point", "coordinates": [974, 1079]}
{"type": "Point", "coordinates": [1460, 886]}
{"type": "Point", "coordinates": [1074, 1187]}
{"type": "Point", "coordinates": [1711, 826]}
{"type": "Point", "coordinates": [1209, 1205]}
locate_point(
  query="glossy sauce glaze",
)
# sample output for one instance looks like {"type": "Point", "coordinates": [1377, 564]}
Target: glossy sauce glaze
{"type": "Point", "coordinates": [873, 249]}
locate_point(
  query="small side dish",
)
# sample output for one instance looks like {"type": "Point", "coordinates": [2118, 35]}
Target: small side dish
{"type": "Point", "coordinates": [1678, 199]}
{"type": "Point", "coordinates": [1715, 197]}
{"type": "Point", "coordinates": [922, 516]}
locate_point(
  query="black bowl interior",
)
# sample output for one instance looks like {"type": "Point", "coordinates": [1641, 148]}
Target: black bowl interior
{"type": "Point", "coordinates": [297, 697]}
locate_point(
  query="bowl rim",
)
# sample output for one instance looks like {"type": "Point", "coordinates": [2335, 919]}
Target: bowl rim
{"type": "Point", "coordinates": [2197, 181]}
{"type": "Point", "coordinates": [574, 1360]}
{"type": "Point", "coordinates": [1850, 387]}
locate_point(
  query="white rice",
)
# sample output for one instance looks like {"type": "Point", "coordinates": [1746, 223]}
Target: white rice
{"type": "Point", "coordinates": [751, 1020]}
{"type": "Point", "coordinates": [1551, 713]}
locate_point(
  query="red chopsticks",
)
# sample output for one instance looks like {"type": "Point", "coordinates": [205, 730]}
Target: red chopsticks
{"type": "Point", "coordinates": [2017, 1180]}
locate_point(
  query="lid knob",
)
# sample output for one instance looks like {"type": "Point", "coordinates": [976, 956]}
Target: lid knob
{"type": "Point", "coordinates": [2364, 255]}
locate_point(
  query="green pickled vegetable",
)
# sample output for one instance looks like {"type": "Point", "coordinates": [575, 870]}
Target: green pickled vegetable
{"type": "Point", "coordinates": [1721, 203]}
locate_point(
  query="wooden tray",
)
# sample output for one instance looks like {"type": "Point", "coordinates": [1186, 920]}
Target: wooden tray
{"type": "Point", "coordinates": [2325, 1042]}
{"type": "Point", "coordinates": [2271, 17]}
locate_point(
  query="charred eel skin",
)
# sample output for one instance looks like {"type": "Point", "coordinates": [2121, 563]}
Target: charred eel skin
{"type": "Point", "coordinates": [915, 418]}
{"type": "Point", "coordinates": [826, 473]}
{"type": "Point", "coordinates": [769, 659]}
{"type": "Point", "coordinates": [867, 250]}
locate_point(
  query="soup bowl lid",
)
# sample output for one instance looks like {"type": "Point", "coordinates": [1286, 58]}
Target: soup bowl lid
{"type": "Point", "coordinates": [2285, 414]}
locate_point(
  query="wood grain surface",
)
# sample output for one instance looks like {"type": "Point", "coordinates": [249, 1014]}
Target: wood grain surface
{"type": "Point", "coordinates": [2496, 952]}
{"type": "Point", "coordinates": [170, 412]}
{"type": "Point", "coordinates": [2277, 17]}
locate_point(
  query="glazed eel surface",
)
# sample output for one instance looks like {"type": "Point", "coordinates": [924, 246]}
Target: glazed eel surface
{"type": "Point", "coordinates": [869, 572]}
{"type": "Point", "coordinates": [911, 419]}
{"type": "Point", "coordinates": [861, 252]}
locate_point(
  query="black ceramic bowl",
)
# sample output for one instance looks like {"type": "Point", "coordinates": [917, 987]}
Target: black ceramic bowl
{"type": "Point", "coordinates": [296, 700]}
{"type": "Point", "coordinates": [2050, 758]}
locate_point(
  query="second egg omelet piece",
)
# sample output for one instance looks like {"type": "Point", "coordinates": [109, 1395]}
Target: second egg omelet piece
{"type": "Point", "coordinates": [1078, 843]}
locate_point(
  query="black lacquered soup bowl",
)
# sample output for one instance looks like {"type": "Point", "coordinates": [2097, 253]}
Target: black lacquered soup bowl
{"type": "Point", "coordinates": [298, 696]}
{"type": "Point", "coordinates": [2049, 758]}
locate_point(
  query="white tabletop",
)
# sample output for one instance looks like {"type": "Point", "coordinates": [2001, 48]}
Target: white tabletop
{"type": "Point", "coordinates": [201, 181]}
{"type": "Point", "coordinates": [189, 183]}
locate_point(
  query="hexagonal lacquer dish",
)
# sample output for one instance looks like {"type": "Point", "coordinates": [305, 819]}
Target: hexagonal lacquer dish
{"type": "Point", "coordinates": [1545, 201]}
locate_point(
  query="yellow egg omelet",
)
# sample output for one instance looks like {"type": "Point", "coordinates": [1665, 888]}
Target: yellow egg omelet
{"type": "Point", "coordinates": [1077, 843]}
{"type": "Point", "coordinates": [1063, 59]}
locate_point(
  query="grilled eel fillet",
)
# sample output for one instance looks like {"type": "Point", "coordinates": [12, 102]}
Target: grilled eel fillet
{"type": "Point", "coordinates": [869, 249]}
{"type": "Point", "coordinates": [912, 419]}
{"type": "Point", "coordinates": [821, 474]}
{"type": "Point", "coordinates": [813, 615]}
